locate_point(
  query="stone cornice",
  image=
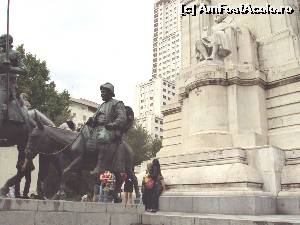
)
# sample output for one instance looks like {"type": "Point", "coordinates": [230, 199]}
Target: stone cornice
{"type": "Point", "coordinates": [172, 110]}
{"type": "Point", "coordinates": [238, 81]}
{"type": "Point", "coordinates": [226, 82]}
{"type": "Point", "coordinates": [284, 81]}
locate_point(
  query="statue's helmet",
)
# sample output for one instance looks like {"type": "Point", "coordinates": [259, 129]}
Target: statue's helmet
{"type": "Point", "coordinates": [108, 86]}
{"type": "Point", "coordinates": [3, 39]}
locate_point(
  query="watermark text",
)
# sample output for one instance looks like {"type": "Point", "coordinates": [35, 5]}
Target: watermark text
{"type": "Point", "coordinates": [246, 8]}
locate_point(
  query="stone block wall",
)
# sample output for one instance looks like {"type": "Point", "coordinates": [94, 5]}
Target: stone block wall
{"type": "Point", "coordinates": [283, 112]}
{"type": "Point", "coordinates": [31, 212]}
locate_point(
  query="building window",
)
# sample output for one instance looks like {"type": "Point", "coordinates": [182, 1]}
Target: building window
{"type": "Point", "coordinates": [151, 98]}
{"type": "Point", "coordinates": [74, 114]}
{"type": "Point", "coordinates": [142, 107]}
{"type": "Point", "coordinates": [161, 122]}
{"type": "Point", "coordinates": [151, 104]}
{"type": "Point", "coordinates": [161, 137]}
{"type": "Point", "coordinates": [156, 120]}
{"type": "Point", "coordinates": [156, 135]}
{"type": "Point", "coordinates": [164, 96]}
{"type": "Point", "coordinates": [164, 90]}
{"type": "Point", "coordinates": [161, 130]}
{"type": "Point", "coordinates": [164, 103]}
{"type": "Point", "coordinates": [156, 128]}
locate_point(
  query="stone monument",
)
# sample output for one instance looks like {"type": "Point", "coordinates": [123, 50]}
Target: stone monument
{"type": "Point", "coordinates": [232, 135]}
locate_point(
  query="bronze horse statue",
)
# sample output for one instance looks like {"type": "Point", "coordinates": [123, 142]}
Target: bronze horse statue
{"type": "Point", "coordinates": [44, 160]}
{"type": "Point", "coordinates": [75, 145]}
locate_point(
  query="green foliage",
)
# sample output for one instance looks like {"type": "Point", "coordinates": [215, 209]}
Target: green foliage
{"type": "Point", "coordinates": [42, 93]}
{"type": "Point", "coordinates": [143, 145]}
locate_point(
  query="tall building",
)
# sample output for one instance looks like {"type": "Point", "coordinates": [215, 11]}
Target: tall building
{"type": "Point", "coordinates": [150, 96]}
{"type": "Point", "coordinates": [166, 39]}
{"type": "Point", "coordinates": [158, 91]}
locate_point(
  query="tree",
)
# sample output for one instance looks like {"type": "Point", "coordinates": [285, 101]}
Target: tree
{"type": "Point", "coordinates": [42, 93]}
{"type": "Point", "coordinates": [143, 145]}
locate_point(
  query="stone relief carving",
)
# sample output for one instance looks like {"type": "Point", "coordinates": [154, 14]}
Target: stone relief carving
{"type": "Point", "coordinates": [227, 39]}
{"type": "Point", "coordinates": [216, 46]}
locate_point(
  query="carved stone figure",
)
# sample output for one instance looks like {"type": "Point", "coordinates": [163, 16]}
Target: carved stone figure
{"type": "Point", "coordinates": [10, 66]}
{"type": "Point", "coordinates": [219, 44]}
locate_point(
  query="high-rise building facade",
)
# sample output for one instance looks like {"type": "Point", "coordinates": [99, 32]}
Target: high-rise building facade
{"type": "Point", "coordinates": [159, 91]}
{"type": "Point", "coordinates": [150, 96]}
{"type": "Point", "coordinates": [166, 39]}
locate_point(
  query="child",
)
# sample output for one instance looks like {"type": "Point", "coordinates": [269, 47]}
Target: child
{"type": "Point", "coordinates": [107, 186]}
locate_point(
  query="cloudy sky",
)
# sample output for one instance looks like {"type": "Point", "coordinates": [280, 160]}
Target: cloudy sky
{"type": "Point", "coordinates": [86, 43]}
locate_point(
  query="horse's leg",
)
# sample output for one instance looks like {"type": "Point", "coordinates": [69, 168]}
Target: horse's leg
{"type": "Point", "coordinates": [75, 165]}
{"type": "Point", "coordinates": [42, 175]}
{"type": "Point", "coordinates": [57, 162]}
{"type": "Point", "coordinates": [117, 190]}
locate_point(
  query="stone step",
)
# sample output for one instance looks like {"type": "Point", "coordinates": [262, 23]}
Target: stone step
{"type": "Point", "coordinates": [177, 218]}
{"type": "Point", "coordinates": [37, 212]}
{"type": "Point", "coordinates": [229, 205]}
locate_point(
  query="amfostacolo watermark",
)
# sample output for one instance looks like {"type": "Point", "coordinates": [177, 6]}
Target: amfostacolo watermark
{"type": "Point", "coordinates": [244, 8]}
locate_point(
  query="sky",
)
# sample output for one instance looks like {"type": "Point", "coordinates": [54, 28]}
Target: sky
{"type": "Point", "coordinates": [86, 42]}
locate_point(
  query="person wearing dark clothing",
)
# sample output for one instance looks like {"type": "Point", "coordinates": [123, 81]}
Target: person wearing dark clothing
{"type": "Point", "coordinates": [133, 179]}
{"type": "Point", "coordinates": [145, 189]}
{"type": "Point", "coordinates": [153, 187]}
{"type": "Point", "coordinates": [23, 173]}
{"type": "Point", "coordinates": [128, 189]}
{"type": "Point", "coordinates": [155, 192]}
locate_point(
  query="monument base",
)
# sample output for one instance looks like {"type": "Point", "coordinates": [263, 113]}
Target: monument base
{"type": "Point", "coordinates": [29, 212]}
{"type": "Point", "coordinates": [171, 218]}
{"type": "Point", "coordinates": [236, 181]}
{"type": "Point", "coordinates": [229, 205]}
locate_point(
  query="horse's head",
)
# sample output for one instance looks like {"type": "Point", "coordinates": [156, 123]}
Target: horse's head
{"type": "Point", "coordinates": [35, 139]}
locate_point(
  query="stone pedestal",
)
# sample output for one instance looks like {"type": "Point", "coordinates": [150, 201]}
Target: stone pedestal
{"type": "Point", "coordinates": [208, 182]}
{"type": "Point", "coordinates": [232, 134]}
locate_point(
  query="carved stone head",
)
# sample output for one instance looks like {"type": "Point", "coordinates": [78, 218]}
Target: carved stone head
{"type": "Point", "coordinates": [220, 17]}
{"type": "Point", "coordinates": [3, 40]}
